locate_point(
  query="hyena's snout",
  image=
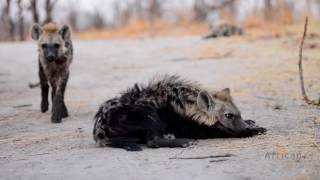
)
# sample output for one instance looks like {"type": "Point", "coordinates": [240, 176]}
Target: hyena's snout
{"type": "Point", "coordinates": [51, 52]}
{"type": "Point", "coordinates": [249, 128]}
{"type": "Point", "coordinates": [51, 57]}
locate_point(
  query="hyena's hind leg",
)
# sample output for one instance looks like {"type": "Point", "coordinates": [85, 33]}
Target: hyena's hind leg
{"type": "Point", "coordinates": [127, 143]}
{"type": "Point", "coordinates": [44, 90]}
{"type": "Point", "coordinates": [155, 135]}
{"type": "Point", "coordinates": [127, 126]}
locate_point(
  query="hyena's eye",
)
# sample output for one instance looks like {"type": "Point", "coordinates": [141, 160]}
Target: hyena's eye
{"type": "Point", "coordinates": [56, 46]}
{"type": "Point", "coordinates": [44, 46]}
{"type": "Point", "coordinates": [229, 115]}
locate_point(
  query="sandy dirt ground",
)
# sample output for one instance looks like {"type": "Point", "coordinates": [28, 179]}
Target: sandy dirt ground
{"type": "Point", "coordinates": [262, 74]}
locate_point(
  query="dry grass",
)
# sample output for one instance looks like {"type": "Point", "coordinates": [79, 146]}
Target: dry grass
{"type": "Point", "coordinates": [255, 27]}
{"type": "Point", "coordinates": [141, 29]}
{"type": "Point", "coordinates": [258, 27]}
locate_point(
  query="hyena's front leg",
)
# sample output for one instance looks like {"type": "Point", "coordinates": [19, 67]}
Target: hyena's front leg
{"type": "Point", "coordinates": [59, 109]}
{"type": "Point", "coordinates": [64, 108]}
{"type": "Point", "coordinates": [44, 89]}
{"type": "Point", "coordinates": [53, 91]}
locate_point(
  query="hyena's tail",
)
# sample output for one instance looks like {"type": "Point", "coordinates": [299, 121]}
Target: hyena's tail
{"type": "Point", "coordinates": [33, 85]}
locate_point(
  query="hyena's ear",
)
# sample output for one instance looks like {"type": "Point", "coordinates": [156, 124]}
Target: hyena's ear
{"type": "Point", "coordinates": [205, 101]}
{"type": "Point", "coordinates": [223, 95]}
{"type": "Point", "coordinates": [36, 32]}
{"type": "Point", "coordinates": [65, 32]}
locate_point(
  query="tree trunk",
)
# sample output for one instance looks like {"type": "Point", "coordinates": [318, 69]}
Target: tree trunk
{"type": "Point", "coordinates": [34, 9]}
{"type": "Point", "coordinates": [21, 21]}
{"type": "Point", "coordinates": [268, 9]}
{"type": "Point", "coordinates": [200, 10]}
{"type": "Point", "coordinates": [155, 12]}
{"type": "Point", "coordinates": [8, 21]}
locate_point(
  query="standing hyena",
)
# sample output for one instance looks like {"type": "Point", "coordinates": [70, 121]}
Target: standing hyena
{"type": "Point", "coordinates": [55, 56]}
{"type": "Point", "coordinates": [146, 114]}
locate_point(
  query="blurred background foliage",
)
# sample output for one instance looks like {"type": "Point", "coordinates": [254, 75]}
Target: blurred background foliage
{"type": "Point", "coordinates": [97, 19]}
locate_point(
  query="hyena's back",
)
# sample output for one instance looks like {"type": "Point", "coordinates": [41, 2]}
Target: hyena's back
{"type": "Point", "coordinates": [162, 91]}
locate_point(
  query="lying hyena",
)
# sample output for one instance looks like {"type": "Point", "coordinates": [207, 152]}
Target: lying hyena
{"type": "Point", "coordinates": [55, 56]}
{"type": "Point", "coordinates": [169, 106]}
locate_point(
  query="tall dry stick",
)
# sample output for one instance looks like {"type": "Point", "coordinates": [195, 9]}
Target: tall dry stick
{"type": "Point", "coordinates": [303, 91]}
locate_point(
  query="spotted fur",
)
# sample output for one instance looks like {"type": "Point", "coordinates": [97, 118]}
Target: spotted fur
{"type": "Point", "coordinates": [168, 105]}
{"type": "Point", "coordinates": [55, 56]}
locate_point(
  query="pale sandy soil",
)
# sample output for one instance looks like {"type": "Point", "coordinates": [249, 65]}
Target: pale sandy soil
{"type": "Point", "coordinates": [262, 74]}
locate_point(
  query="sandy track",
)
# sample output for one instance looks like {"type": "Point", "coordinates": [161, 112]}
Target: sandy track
{"type": "Point", "coordinates": [262, 75]}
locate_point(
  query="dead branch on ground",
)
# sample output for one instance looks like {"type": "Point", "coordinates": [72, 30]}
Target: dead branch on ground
{"type": "Point", "coordinates": [203, 157]}
{"type": "Point", "coordinates": [22, 106]}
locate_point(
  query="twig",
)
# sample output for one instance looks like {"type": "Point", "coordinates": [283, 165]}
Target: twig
{"type": "Point", "coordinates": [203, 157]}
{"type": "Point", "coordinates": [303, 91]}
{"type": "Point", "coordinates": [38, 154]}
{"type": "Point", "coordinates": [22, 106]}
{"type": "Point", "coordinates": [218, 160]}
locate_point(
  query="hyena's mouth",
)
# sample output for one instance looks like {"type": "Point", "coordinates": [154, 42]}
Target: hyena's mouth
{"type": "Point", "coordinates": [224, 129]}
{"type": "Point", "coordinates": [51, 59]}
{"type": "Point", "coordinates": [60, 60]}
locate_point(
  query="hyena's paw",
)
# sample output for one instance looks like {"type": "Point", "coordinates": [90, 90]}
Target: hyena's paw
{"type": "Point", "coordinates": [64, 113]}
{"type": "Point", "coordinates": [44, 106]}
{"type": "Point", "coordinates": [256, 130]}
{"type": "Point", "coordinates": [56, 117]}
{"type": "Point", "coordinates": [250, 122]}
{"type": "Point", "coordinates": [262, 130]}
{"type": "Point", "coordinates": [126, 143]}
{"type": "Point", "coordinates": [132, 147]}
{"type": "Point", "coordinates": [183, 142]}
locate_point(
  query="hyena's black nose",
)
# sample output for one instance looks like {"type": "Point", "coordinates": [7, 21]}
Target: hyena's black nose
{"type": "Point", "coordinates": [50, 57]}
